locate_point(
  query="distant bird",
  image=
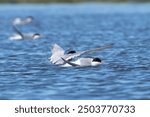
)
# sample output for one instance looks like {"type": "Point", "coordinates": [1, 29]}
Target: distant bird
{"type": "Point", "coordinates": [19, 21]}
{"type": "Point", "coordinates": [82, 62]}
{"type": "Point", "coordinates": [59, 57]}
{"type": "Point", "coordinates": [20, 35]}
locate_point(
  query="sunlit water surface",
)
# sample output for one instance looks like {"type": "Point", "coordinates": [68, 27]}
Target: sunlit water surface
{"type": "Point", "coordinates": [26, 73]}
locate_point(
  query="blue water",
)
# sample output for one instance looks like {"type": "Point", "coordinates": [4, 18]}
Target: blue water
{"type": "Point", "coordinates": [26, 73]}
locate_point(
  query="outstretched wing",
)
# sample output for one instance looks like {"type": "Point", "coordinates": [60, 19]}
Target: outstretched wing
{"type": "Point", "coordinates": [56, 48]}
{"type": "Point", "coordinates": [15, 28]}
{"type": "Point", "coordinates": [71, 56]}
{"type": "Point", "coordinates": [70, 63]}
{"type": "Point", "coordinates": [57, 53]}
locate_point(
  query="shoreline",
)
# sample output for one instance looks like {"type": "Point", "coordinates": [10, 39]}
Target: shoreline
{"type": "Point", "coordinates": [76, 2]}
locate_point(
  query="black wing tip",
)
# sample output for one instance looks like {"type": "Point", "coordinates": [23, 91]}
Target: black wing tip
{"type": "Point", "coordinates": [63, 59]}
{"type": "Point", "coordinates": [72, 64]}
{"type": "Point", "coordinates": [17, 30]}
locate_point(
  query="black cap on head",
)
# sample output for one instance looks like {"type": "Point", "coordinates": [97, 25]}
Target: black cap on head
{"type": "Point", "coordinates": [36, 34]}
{"type": "Point", "coordinates": [71, 52]}
{"type": "Point", "coordinates": [30, 17]}
{"type": "Point", "coordinates": [97, 60]}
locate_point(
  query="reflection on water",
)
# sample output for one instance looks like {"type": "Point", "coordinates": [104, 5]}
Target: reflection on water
{"type": "Point", "coordinates": [26, 73]}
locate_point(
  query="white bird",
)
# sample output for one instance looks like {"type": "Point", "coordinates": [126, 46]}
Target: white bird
{"type": "Point", "coordinates": [20, 36]}
{"type": "Point", "coordinates": [19, 21]}
{"type": "Point", "coordinates": [58, 53]}
{"type": "Point", "coordinates": [82, 62]}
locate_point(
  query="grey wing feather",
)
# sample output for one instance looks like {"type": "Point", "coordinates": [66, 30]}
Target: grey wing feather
{"type": "Point", "coordinates": [57, 53]}
{"type": "Point", "coordinates": [97, 49]}
{"type": "Point", "coordinates": [56, 48]}
{"type": "Point", "coordinates": [88, 51]}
